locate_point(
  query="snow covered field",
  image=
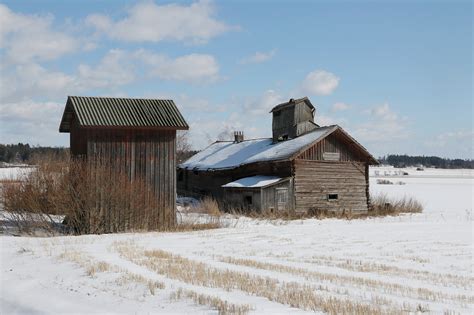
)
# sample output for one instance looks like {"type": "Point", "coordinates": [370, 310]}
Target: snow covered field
{"type": "Point", "coordinates": [411, 263]}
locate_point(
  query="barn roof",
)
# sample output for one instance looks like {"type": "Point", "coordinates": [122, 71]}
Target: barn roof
{"type": "Point", "coordinates": [121, 112]}
{"type": "Point", "coordinates": [227, 155]}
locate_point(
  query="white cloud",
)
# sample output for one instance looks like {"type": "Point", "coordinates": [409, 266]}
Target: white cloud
{"type": "Point", "coordinates": [383, 112]}
{"type": "Point", "coordinates": [30, 37]}
{"type": "Point", "coordinates": [149, 22]}
{"type": "Point", "coordinates": [117, 68]}
{"type": "Point", "coordinates": [31, 122]}
{"type": "Point", "coordinates": [339, 107]}
{"type": "Point", "coordinates": [27, 81]}
{"type": "Point", "coordinates": [113, 70]}
{"type": "Point", "coordinates": [320, 82]}
{"type": "Point", "coordinates": [446, 138]}
{"type": "Point", "coordinates": [383, 125]}
{"type": "Point", "coordinates": [263, 104]}
{"type": "Point", "coordinates": [259, 57]}
{"type": "Point", "coordinates": [194, 68]}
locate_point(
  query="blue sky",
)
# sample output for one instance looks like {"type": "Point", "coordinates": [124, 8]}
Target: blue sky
{"type": "Point", "coordinates": [396, 75]}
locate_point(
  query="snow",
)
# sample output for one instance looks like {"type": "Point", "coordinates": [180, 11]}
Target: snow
{"type": "Point", "coordinates": [14, 173]}
{"type": "Point", "coordinates": [253, 181]}
{"type": "Point", "coordinates": [224, 155]}
{"type": "Point", "coordinates": [378, 261]}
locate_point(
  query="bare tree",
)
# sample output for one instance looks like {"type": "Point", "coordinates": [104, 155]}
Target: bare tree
{"type": "Point", "coordinates": [183, 147]}
{"type": "Point", "coordinates": [226, 134]}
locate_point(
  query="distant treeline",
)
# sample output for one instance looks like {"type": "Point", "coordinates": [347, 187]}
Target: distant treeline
{"type": "Point", "coordinates": [427, 161]}
{"type": "Point", "coordinates": [24, 153]}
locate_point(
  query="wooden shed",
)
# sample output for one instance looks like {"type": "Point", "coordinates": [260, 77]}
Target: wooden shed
{"type": "Point", "coordinates": [322, 168]}
{"type": "Point", "coordinates": [138, 135]}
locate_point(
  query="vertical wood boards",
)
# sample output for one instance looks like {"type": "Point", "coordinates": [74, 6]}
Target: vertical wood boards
{"type": "Point", "coordinates": [140, 153]}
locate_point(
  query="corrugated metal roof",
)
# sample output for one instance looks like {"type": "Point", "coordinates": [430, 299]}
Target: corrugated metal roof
{"type": "Point", "coordinates": [121, 112]}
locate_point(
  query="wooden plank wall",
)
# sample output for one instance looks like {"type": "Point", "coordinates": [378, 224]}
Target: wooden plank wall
{"type": "Point", "coordinates": [314, 180]}
{"type": "Point", "coordinates": [142, 153]}
{"type": "Point", "coordinates": [269, 196]}
{"type": "Point", "coordinates": [208, 183]}
{"type": "Point", "coordinates": [329, 144]}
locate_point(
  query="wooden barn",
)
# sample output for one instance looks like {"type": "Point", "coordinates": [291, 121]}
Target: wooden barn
{"type": "Point", "coordinates": [138, 135]}
{"type": "Point", "coordinates": [303, 167]}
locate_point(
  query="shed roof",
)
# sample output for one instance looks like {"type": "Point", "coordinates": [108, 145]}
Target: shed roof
{"type": "Point", "coordinates": [121, 112]}
{"type": "Point", "coordinates": [256, 181]}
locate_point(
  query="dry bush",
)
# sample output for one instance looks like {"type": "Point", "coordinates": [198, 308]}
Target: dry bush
{"type": "Point", "coordinates": [93, 195]}
{"type": "Point", "coordinates": [382, 205]}
{"type": "Point", "coordinates": [207, 205]}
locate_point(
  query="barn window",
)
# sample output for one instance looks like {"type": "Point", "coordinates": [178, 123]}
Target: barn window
{"type": "Point", "coordinates": [248, 200]}
{"type": "Point", "coordinates": [180, 176]}
{"type": "Point", "coordinates": [333, 197]}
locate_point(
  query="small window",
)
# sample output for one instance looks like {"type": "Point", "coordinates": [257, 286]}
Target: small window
{"type": "Point", "coordinates": [180, 176]}
{"type": "Point", "coordinates": [275, 114]}
{"type": "Point", "coordinates": [248, 200]}
{"type": "Point", "coordinates": [333, 197]}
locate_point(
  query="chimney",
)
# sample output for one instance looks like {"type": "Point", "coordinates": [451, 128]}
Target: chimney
{"type": "Point", "coordinates": [238, 136]}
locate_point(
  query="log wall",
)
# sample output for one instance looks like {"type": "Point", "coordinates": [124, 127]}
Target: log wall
{"type": "Point", "coordinates": [314, 180]}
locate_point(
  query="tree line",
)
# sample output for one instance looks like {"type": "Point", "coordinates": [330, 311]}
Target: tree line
{"type": "Point", "coordinates": [24, 153]}
{"type": "Point", "coordinates": [426, 161]}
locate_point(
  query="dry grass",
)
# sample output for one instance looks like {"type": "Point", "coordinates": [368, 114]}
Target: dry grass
{"type": "Point", "coordinates": [290, 293]}
{"type": "Point", "coordinates": [95, 195]}
{"type": "Point", "coordinates": [382, 205]}
{"type": "Point", "coordinates": [445, 279]}
{"type": "Point", "coordinates": [354, 281]}
{"type": "Point", "coordinates": [151, 285]}
{"type": "Point", "coordinates": [207, 205]}
{"type": "Point", "coordinates": [91, 266]}
{"type": "Point", "coordinates": [223, 307]}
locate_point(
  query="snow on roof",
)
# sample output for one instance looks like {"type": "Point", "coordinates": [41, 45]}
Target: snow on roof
{"type": "Point", "coordinates": [226, 154]}
{"type": "Point", "coordinates": [253, 182]}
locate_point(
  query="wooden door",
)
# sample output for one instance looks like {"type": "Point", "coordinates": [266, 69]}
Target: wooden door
{"type": "Point", "coordinates": [282, 199]}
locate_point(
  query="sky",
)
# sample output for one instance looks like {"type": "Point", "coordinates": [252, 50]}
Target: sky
{"type": "Point", "coordinates": [397, 75]}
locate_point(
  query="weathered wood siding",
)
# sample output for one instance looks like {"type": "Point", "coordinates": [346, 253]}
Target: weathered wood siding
{"type": "Point", "coordinates": [142, 153]}
{"type": "Point", "coordinates": [330, 144]}
{"type": "Point", "coordinates": [235, 199]}
{"type": "Point", "coordinates": [209, 183]}
{"type": "Point", "coordinates": [269, 196]}
{"type": "Point", "coordinates": [314, 180]}
{"type": "Point", "coordinates": [283, 123]}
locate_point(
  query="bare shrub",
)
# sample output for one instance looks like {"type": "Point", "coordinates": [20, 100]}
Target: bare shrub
{"type": "Point", "coordinates": [93, 195]}
{"type": "Point", "coordinates": [207, 205]}
{"type": "Point", "coordinates": [383, 205]}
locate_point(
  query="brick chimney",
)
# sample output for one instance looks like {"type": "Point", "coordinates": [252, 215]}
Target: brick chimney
{"type": "Point", "coordinates": [238, 136]}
